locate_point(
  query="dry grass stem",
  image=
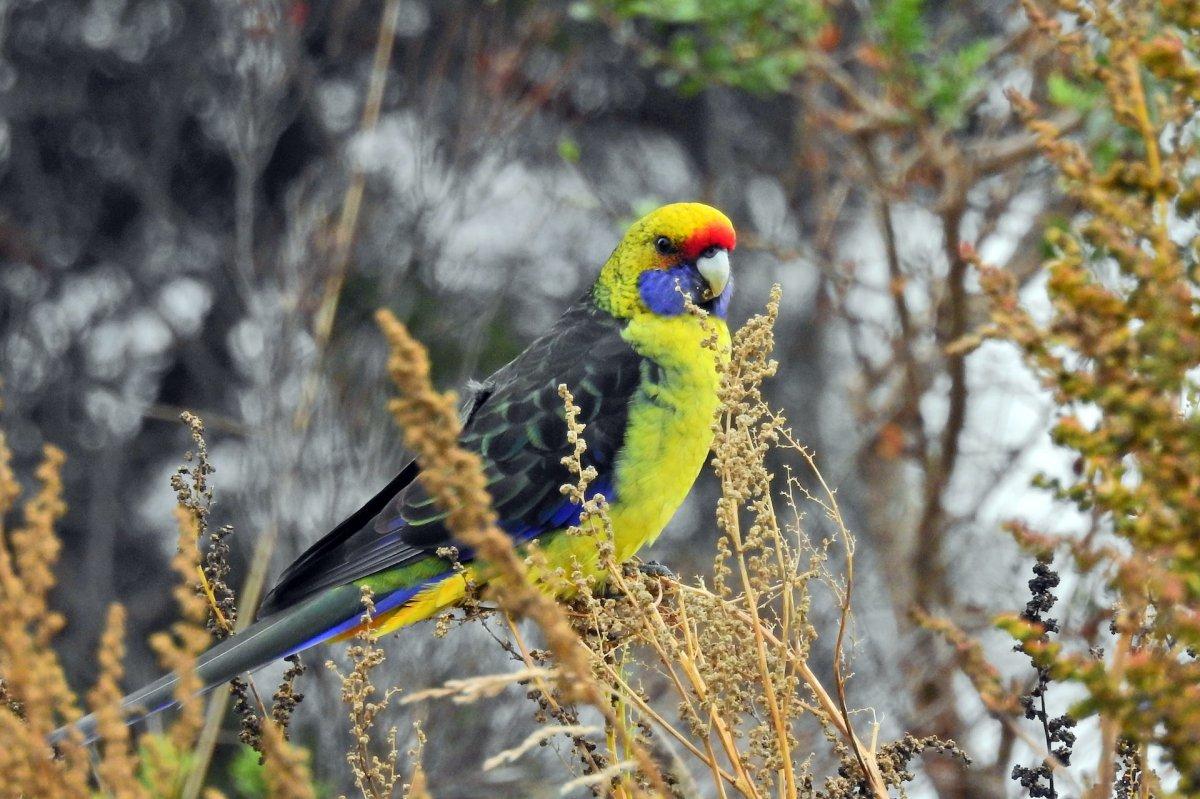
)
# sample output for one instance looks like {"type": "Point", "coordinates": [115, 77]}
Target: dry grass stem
{"type": "Point", "coordinates": [472, 689]}
{"type": "Point", "coordinates": [537, 738]}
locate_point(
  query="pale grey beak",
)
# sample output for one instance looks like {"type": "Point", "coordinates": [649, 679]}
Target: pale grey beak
{"type": "Point", "coordinates": [714, 269]}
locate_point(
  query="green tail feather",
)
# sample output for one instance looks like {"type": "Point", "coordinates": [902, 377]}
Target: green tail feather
{"type": "Point", "coordinates": [284, 633]}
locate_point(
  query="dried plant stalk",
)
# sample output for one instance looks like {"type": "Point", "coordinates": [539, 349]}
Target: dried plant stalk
{"type": "Point", "coordinates": [117, 770]}
{"type": "Point", "coordinates": [36, 695]}
{"type": "Point", "coordinates": [286, 766]}
{"type": "Point", "coordinates": [375, 777]}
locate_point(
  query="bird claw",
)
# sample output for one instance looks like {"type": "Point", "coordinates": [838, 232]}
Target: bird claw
{"type": "Point", "coordinates": [653, 568]}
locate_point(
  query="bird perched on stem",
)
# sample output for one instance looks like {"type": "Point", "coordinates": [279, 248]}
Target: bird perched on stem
{"type": "Point", "coordinates": [643, 366]}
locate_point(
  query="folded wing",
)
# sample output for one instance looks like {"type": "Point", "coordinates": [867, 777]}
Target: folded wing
{"type": "Point", "coordinates": [515, 421]}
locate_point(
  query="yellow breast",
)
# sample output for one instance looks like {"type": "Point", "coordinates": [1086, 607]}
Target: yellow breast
{"type": "Point", "coordinates": [666, 442]}
{"type": "Point", "coordinates": [670, 423]}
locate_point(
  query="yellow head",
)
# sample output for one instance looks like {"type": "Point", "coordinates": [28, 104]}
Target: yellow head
{"type": "Point", "coordinates": [682, 248]}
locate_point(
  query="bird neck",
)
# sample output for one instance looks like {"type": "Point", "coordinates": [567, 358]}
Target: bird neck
{"type": "Point", "coordinates": [686, 346]}
{"type": "Point", "coordinates": [613, 294]}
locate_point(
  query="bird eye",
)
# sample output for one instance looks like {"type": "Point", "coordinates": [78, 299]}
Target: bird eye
{"type": "Point", "coordinates": [664, 246]}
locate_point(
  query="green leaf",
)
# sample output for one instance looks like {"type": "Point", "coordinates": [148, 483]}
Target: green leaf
{"type": "Point", "coordinates": [568, 149]}
{"type": "Point", "coordinates": [953, 79]}
{"type": "Point", "coordinates": [755, 45]}
{"type": "Point", "coordinates": [1068, 94]}
{"type": "Point", "coordinates": [159, 749]}
{"type": "Point", "coordinates": [247, 774]}
{"type": "Point", "coordinates": [901, 25]}
{"type": "Point", "coordinates": [1104, 153]}
{"type": "Point", "coordinates": [971, 58]}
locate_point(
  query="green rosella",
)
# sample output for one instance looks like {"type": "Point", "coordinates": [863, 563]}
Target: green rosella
{"type": "Point", "coordinates": [645, 381]}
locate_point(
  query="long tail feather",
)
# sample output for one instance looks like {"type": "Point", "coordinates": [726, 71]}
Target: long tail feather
{"type": "Point", "coordinates": [281, 634]}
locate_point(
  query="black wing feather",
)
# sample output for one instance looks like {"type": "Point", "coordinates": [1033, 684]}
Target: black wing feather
{"type": "Point", "coordinates": [515, 421]}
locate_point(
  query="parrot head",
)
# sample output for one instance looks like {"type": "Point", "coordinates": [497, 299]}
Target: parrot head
{"type": "Point", "coordinates": [679, 249]}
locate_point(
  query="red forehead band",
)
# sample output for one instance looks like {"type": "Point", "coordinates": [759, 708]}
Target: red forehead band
{"type": "Point", "coordinates": [715, 235]}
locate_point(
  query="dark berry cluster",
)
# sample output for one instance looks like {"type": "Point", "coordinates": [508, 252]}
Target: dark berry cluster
{"type": "Point", "coordinates": [222, 611]}
{"type": "Point", "coordinates": [1058, 731]}
{"type": "Point", "coordinates": [286, 697]}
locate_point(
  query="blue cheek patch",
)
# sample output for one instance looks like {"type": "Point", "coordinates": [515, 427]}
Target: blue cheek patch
{"type": "Point", "coordinates": [661, 289]}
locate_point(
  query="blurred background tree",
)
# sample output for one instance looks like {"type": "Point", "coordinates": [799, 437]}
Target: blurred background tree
{"type": "Point", "coordinates": [201, 204]}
